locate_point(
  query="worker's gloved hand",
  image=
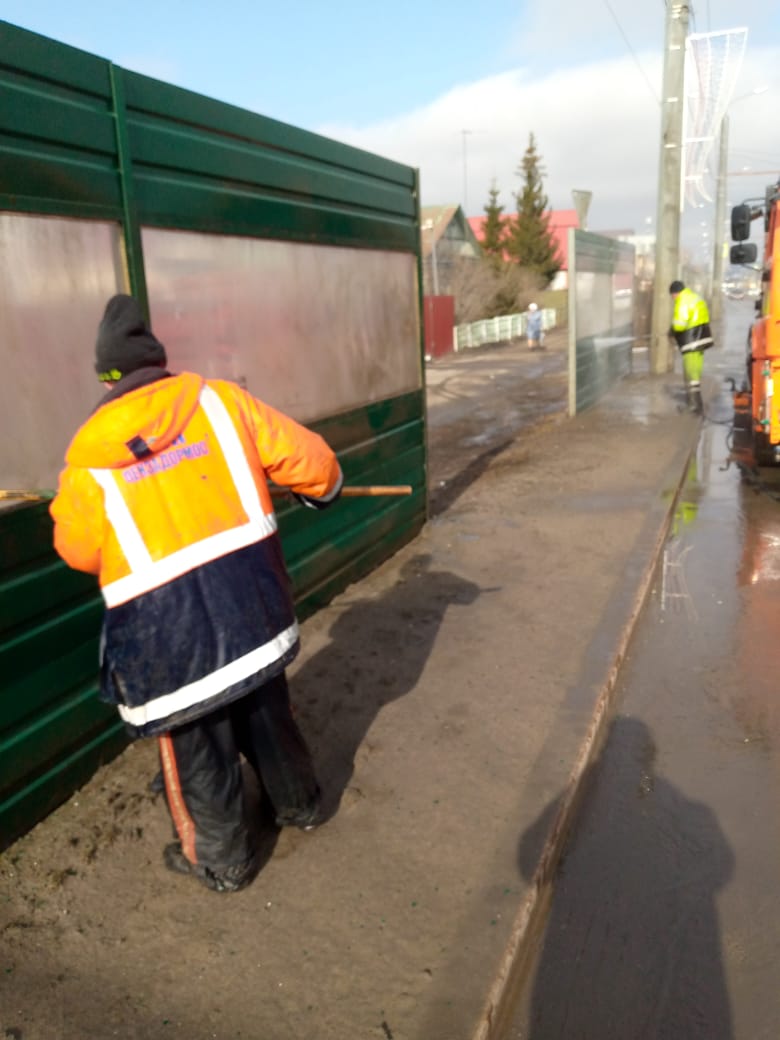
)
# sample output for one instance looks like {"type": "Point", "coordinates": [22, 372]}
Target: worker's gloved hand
{"type": "Point", "coordinates": [316, 503]}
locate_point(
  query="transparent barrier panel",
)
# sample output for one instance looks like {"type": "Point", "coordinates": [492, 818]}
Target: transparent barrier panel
{"type": "Point", "coordinates": [313, 330]}
{"type": "Point", "coordinates": [601, 327]}
{"type": "Point", "coordinates": [55, 278]}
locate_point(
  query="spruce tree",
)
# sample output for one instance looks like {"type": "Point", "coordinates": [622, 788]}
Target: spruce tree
{"type": "Point", "coordinates": [493, 228]}
{"type": "Point", "coordinates": [529, 241]}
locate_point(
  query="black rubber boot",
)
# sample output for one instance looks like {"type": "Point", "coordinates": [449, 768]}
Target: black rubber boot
{"type": "Point", "coordinates": [304, 819]}
{"type": "Point", "coordinates": [232, 879]}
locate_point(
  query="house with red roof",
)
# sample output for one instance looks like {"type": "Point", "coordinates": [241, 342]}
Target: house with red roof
{"type": "Point", "coordinates": [560, 222]}
{"type": "Point", "coordinates": [446, 240]}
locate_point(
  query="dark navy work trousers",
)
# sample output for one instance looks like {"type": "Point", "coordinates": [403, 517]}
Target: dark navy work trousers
{"type": "Point", "coordinates": [202, 770]}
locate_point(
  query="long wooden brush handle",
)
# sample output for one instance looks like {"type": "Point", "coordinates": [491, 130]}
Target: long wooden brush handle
{"type": "Point", "coordinates": [29, 496]}
{"type": "Point", "coordinates": [348, 491]}
{"type": "Point", "coordinates": [358, 491]}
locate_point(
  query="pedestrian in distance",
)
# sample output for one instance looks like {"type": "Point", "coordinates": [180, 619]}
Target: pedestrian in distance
{"type": "Point", "coordinates": [164, 496]}
{"type": "Point", "coordinates": [693, 335]}
{"type": "Point", "coordinates": [533, 327]}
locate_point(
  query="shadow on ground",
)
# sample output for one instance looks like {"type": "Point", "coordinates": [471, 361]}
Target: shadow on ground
{"type": "Point", "coordinates": [370, 661]}
{"type": "Point", "coordinates": [632, 944]}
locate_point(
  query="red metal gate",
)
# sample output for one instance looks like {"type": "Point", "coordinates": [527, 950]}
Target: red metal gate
{"type": "Point", "coordinates": [439, 320]}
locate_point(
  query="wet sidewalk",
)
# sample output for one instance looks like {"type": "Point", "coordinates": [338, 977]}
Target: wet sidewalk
{"type": "Point", "coordinates": [452, 700]}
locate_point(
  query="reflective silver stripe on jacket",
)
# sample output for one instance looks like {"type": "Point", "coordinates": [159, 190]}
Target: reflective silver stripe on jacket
{"type": "Point", "coordinates": [147, 574]}
{"type": "Point", "coordinates": [212, 684]}
{"type": "Point", "coordinates": [697, 344]}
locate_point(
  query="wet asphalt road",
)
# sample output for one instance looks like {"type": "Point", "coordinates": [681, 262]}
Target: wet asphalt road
{"type": "Point", "coordinates": [665, 921]}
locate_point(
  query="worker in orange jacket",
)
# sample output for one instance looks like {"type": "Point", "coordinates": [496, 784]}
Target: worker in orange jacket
{"type": "Point", "coordinates": [164, 497]}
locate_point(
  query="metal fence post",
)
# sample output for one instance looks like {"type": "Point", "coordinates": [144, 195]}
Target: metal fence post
{"type": "Point", "coordinates": [131, 229]}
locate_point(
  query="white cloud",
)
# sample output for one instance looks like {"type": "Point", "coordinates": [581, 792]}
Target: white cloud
{"type": "Point", "coordinates": [596, 128]}
{"type": "Point", "coordinates": [569, 28]}
{"type": "Point", "coordinates": [596, 125]}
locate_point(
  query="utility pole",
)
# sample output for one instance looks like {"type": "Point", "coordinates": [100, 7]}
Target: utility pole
{"type": "Point", "coordinates": [465, 176]}
{"type": "Point", "coordinates": [429, 225]}
{"type": "Point", "coordinates": [667, 245]}
{"type": "Point", "coordinates": [716, 303]}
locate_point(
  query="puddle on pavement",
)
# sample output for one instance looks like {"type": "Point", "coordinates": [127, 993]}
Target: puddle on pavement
{"type": "Point", "coordinates": [640, 400]}
{"type": "Point", "coordinates": [665, 919]}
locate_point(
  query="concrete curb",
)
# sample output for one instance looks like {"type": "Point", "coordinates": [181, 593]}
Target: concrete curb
{"type": "Point", "coordinates": [531, 915]}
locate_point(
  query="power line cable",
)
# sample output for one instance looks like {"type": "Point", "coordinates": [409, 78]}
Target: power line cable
{"type": "Point", "coordinates": [632, 51]}
{"type": "Point", "coordinates": [752, 157]}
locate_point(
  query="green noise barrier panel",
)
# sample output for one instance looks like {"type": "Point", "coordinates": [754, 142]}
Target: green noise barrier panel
{"type": "Point", "coordinates": [82, 138]}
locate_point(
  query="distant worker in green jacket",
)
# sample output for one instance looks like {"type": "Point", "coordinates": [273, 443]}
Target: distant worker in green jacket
{"type": "Point", "coordinates": [692, 332]}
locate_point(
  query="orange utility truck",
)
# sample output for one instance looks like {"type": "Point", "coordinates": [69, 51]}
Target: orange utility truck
{"type": "Point", "coordinates": [756, 439]}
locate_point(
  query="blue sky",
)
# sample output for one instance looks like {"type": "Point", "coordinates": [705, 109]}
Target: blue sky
{"type": "Point", "coordinates": [406, 79]}
{"type": "Point", "coordinates": [307, 63]}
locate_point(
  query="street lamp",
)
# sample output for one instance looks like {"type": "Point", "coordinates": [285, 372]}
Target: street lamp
{"type": "Point", "coordinates": [428, 226]}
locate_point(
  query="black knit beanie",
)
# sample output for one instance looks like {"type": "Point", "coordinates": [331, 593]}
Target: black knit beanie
{"type": "Point", "coordinates": [676, 287]}
{"type": "Point", "coordinates": [124, 341]}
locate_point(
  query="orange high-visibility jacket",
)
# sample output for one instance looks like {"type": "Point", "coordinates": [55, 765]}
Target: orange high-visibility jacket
{"type": "Point", "coordinates": [164, 497]}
